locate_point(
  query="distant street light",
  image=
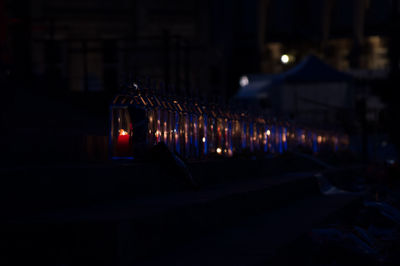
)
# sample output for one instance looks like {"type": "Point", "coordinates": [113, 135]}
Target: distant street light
{"type": "Point", "coordinates": [285, 59]}
{"type": "Point", "coordinates": [244, 81]}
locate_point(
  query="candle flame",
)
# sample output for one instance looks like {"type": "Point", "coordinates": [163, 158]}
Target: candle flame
{"type": "Point", "coordinates": [122, 132]}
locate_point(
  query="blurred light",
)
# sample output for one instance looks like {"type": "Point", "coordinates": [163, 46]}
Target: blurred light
{"type": "Point", "coordinates": [244, 81]}
{"type": "Point", "coordinates": [319, 139]}
{"type": "Point", "coordinates": [268, 132]}
{"type": "Point", "coordinates": [219, 150]}
{"type": "Point", "coordinates": [122, 132]}
{"type": "Point", "coordinates": [203, 139]}
{"type": "Point", "coordinates": [285, 59]}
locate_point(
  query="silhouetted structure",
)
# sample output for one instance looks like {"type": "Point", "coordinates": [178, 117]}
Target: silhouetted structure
{"type": "Point", "coordinates": [94, 45]}
{"type": "Point", "coordinates": [201, 47]}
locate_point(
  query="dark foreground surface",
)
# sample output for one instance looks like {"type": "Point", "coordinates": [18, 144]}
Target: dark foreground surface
{"type": "Point", "coordinates": [287, 210]}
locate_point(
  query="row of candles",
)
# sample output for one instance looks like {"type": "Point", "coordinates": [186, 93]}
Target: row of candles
{"type": "Point", "coordinates": [196, 130]}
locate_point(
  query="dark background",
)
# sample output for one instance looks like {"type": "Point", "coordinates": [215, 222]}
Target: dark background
{"type": "Point", "coordinates": [65, 203]}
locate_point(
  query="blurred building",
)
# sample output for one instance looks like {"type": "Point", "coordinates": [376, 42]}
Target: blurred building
{"type": "Point", "coordinates": [349, 35]}
{"type": "Point", "coordinates": [84, 49]}
{"type": "Point", "coordinates": [196, 47]}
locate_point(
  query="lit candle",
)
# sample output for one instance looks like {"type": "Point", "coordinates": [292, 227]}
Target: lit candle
{"type": "Point", "coordinates": [123, 147]}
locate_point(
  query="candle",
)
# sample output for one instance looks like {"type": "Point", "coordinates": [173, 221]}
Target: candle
{"type": "Point", "coordinates": [123, 143]}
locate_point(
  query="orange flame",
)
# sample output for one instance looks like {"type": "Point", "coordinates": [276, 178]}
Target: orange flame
{"type": "Point", "coordinates": [122, 132]}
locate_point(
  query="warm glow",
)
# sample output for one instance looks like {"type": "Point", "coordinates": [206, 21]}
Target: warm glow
{"type": "Point", "coordinates": [122, 132]}
{"type": "Point", "coordinates": [284, 138]}
{"type": "Point", "coordinates": [268, 132]}
{"type": "Point", "coordinates": [219, 150]}
{"type": "Point", "coordinates": [203, 139]}
{"type": "Point", "coordinates": [285, 58]}
{"type": "Point", "coordinates": [319, 139]}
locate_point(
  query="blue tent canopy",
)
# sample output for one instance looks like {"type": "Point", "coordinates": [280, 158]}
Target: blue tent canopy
{"type": "Point", "coordinates": [310, 70]}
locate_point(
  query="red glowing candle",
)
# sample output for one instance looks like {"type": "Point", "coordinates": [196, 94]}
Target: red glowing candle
{"type": "Point", "coordinates": [123, 143]}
